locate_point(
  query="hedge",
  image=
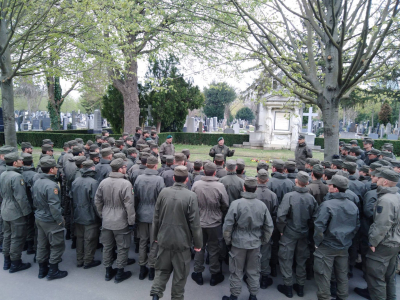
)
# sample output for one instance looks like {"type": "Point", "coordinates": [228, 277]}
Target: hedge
{"type": "Point", "coordinates": [377, 144]}
{"type": "Point", "coordinates": [36, 138]}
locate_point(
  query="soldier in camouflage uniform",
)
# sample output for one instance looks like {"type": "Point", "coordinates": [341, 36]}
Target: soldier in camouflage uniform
{"type": "Point", "coordinates": [221, 149]}
{"type": "Point", "coordinates": [301, 153]}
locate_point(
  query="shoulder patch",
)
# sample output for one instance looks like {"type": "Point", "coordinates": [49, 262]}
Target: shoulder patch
{"type": "Point", "coordinates": [55, 191]}
{"type": "Point", "coordinates": [379, 209]}
{"type": "Point", "coordinates": [22, 182]}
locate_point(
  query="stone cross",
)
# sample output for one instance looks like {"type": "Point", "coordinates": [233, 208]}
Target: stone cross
{"type": "Point", "coordinates": [310, 114]}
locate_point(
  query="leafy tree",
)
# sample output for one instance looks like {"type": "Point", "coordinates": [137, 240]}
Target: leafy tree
{"type": "Point", "coordinates": [218, 95]}
{"type": "Point", "coordinates": [169, 94]}
{"type": "Point", "coordinates": [113, 108]}
{"type": "Point", "coordinates": [245, 113]}
{"type": "Point", "coordinates": [385, 113]}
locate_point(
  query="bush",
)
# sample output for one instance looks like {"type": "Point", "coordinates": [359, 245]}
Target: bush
{"type": "Point", "coordinates": [377, 144]}
{"type": "Point", "coordinates": [203, 138]}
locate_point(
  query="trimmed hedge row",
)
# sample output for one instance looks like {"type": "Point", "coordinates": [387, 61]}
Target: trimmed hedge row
{"type": "Point", "coordinates": [377, 144]}
{"type": "Point", "coordinates": [36, 138]}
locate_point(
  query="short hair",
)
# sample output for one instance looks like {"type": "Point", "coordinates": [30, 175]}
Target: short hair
{"type": "Point", "coordinates": [115, 169]}
{"type": "Point", "coordinates": [46, 170]}
{"type": "Point", "coordinates": [76, 153]}
{"type": "Point", "coordinates": [301, 183]}
{"type": "Point", "coordinates": [265, 168]}
{"type": "Point", "coordinates": [317, 175]}
{"type": "Point", "coordinates": [149, 166]}
{"type": "Point", "coordinates": [169, 163]}
{"type": "Point", "coordinates": [27, 163]}
{"type": "Point", "coordinates": [341, 190]}
{"type": "Point", "coordinates": [143, 160]}
{"type": "Point", "coordinates": [291, 170]}
{"type": "Point", "coordinates": [209, 173]}
{"type": "Point", "coordinates": [329, 176]}
{"type": "Point", "coordinates": [180, 179]}
{"type": "Point", "coordinates": [10, 164]}
{"type": "Point", "coordinates": [137, 129]}
{"type": "Point", "coordinates": [262, 181]}
{"type": "Point", "coordinates": [197, 168]}
{"type": "Point", "coordinates": [23, 148]}
{"type": "Point", "coordinates": [153, 147]}
{"type": "Point", "coordinates": [219, 162]}
{"type": "Point", "coordinates": [279, 170]}
{"type": "Point", "coordinates": [44, 152]}
{"type": "Point", "coordinates": [250, 189]}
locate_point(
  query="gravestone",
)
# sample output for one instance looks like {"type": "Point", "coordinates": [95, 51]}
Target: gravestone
{"type": "Point", "coordinates": [352, 127]}
{"type": "Point", "coordinates": [46, 123]}
{"type": "Point", "coordinates": [381, 131]}
{"type": "Point", "coordinates": [236, 128]}
{"type": "Point", "coordinates": [388, 129]}
{"type": "Point", "coordinates": [229, 131]}
{"type": "Point", "coordinates": [347, 135]}
{"type": "Point", "coordinates": [373, 136]}
{"type": "Point", "coordinates": [97, 121]}
{"type": "Point", "coordinates": [73, 127]}
{"type": "Point", "coordinates": [36, 125]}
{"type": "Point", "coordinates": [65, 123]}
{"type": "Point", "coordinates": [215, 119]}
{"type": "Point", "coordinates": [90, 122]}
{"type": "Point", "coordinates": [191, 125]}
{"type": "Point", "coordinates": [393, 137]}
{"type": "Point", "coordinates": [200, 129]}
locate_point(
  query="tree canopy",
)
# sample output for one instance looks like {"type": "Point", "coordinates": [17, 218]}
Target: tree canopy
{"type": "Point", "coordinates": [217, 96]}
{"type": "Point", "coordinates": [245, 113]}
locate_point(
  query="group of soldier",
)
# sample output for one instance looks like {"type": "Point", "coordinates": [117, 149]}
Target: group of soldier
{"type": "Point", "coordinates": [310, 218]}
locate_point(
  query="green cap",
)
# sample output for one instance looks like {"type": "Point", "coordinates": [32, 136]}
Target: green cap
{"type": "Point", "coordinates": [125, 134]}
{"type": "Point", "coordinates": [388, 174]}
{"type": "Point", "coordinates": [301, 137]}
{"type": "Point", "coordinates": [170, 159]}
{"type": "Point", "coordinates": [11, 157]}
{"type": "Point", "coordinates": [318, 169]}
{"type": "Point", "coordinates": [169, 136]}
{"type": "Point", "coordinates": [77, 149]}
{"type": "Point", "coordinates": [26, 145]}
{"type": "Point", "coordinates": [364, 169]}
{"type": "Point", "coordinates": [368, 141]}
{"type": "Point", "coordinates": [94, 154]}
{"type": "Point", "coordinates": [289, 165]}
{"type": "Point", "coordinates": [350, 166]}
{"type": "Point", "coordinates": [115, 150]}
{"type": "Point", "coordinates": [339, 181]}
{"type": "Point", "coordinates": [47, 141]}
{"type": "Point", "coordinates": [303, 177]}
{"type": "Point", "coordinates": [79, 140]}
{"type": "Point", "coordinates": [131, 150]}
{"type": "Point", "coordinates": [262, 165]}
{"type": "Point", "coordinates": [385, 162]}
{"type": "Point", "coordinates": [375, 165]}
{"type": "Point", "coordinates": [240, 164]}
{"type": "Point", "coordinates": [111, 140]}
{"type": "Point", "coordinates": [48, 162]}
{"type": "Point", "coordinates": [337, 162]}
{"type": "Point", "coordinates": [330, 172]}
{"type": "Point", "coordinates": [47, 147]}
{"type": "Point", "coordinates": [119, 143]}
{"type": "Point", "coordinates": [93, 147]}
{"type": "Point", "coordinates": [120, 155]}
{"type": "Point", "coordinates": [250, 181]}
{"type": "Point", "coordinates": [326, 164]}
{"type": "Point", "coordinates": [395, 163]}
{"type": "Point", "coordinates": [26, 157]}
{"type": "Point", "coordinates": [386, 153]}
{"type": "Point", "coordinates": [313, 161]}
{"type": "Point", "coordinates": [263, 174]}
{"type": "Point", "coordinates": [72, 143]}
{"type": "Point", "coordinates": [179, 157]}
{"type": "Point", "coordinates": [354, 142]}
{"type": "Point", "coordinates": [220, 138]}
{"type": "Point", "coordinates": [186, 152]}
{"type": "Point", "coordinates": [343, 173]}
{"type": "Point", "coordinates": [106, 152]}
{"type": "Point", "coordinates": [89, 143]}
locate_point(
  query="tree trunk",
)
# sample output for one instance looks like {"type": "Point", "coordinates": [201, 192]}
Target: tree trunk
{"type": "Point", "coordinates": [159, 126]}
{"type": "Point", "coordinates": [330, 113]}
{"type": "Point", "coordinates": [7, 89]}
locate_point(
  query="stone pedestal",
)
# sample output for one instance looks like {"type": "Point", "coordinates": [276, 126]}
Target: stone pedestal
{"type": "Point", "coordinates": [310, 138]}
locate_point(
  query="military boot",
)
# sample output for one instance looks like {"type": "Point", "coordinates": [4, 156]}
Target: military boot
{"type": "Point", "coordinates": [274, 271]}
{"type": "Point", "coordinates": [333, 288]}
{"type": "Point", "coordinates": [93, 263]}
{"type": "Point", "coordinates": [299, 289]}
{"type": "Point", "coordinates": [216, 278]}
{"type": "Point", "coordinates": [7, 263]}
{"type": "Point", "coordinates": [151, 273]}
{"type": "Point", "coordinates": [73, 245]}
{"type": "Point", "coordinates": [143, 272]}
{"type": "Point", "coordinates": [25, 246]}
{"type": "Point", "coordinates": [252, 297]}
{"type": "Point", "coordinates": [265, 281]}
{"type": "Point", "coordinates": [198, 277]}
{"type": "Point", "coordinates": [155, 297]}
{"type": "Point", "coordinates": [231, 297]}
{"type": "Point", "coordinates": [30, 249]}
{"type": "Point", "coordinates": [43, 270]}
{"type": "Point", "coordinates": [18, 265]}
{"type": "Point", "coordinates": [68, 235]}
{"type": "Point", "coordinates": [362, 292]}
{"type": "Point", "coordinates": [131, 261]}
{"type": "Point", "coordinates": [110, 273]}
{"type": "Point", "coordinates": [55, 273]}
{"type": "Point", "coordinates": [121, 275]}
{"type": "Point", "coordinates": [310, 272]}
{"type": "Point", "coordinates": [286, 290]}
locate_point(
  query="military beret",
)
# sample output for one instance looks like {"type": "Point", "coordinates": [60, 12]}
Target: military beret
{"type": "Point", "coordinates": [47, 141]}
{"type": "Point", "coordinates": [88, 164]}
{"type": "Point", "coordinates": [330, 172]}
{"type": "Point", "coordinates": [385, 163]}
{"type": "Point", "coordinates": [111, 140]}
{"type": "Point", "coordinates": [364, 169]}
{"type": "Point", "coordinates": [93, 147]}
{"type": "Point", "coordinates": [250, 181]}
{"type": "Point", "coordinates": [144, 155]}
{"type": "Point", "coordinates": [262, 165]}
{"type": "Point", "coordinates": [27, 157]}
{"type": "Point", "coordinates": [302, 177]}
{"type": "Point", "coordinates": [219, 157]}
{"type": "Point", "coordinates": [209, 167]}
{"type": "Point", "coordinates": [386, 153]}
{"type": "Point", "coordinates": [72, 143]}
{"type": "Point", "coordinates": [26, 145]}
{"type": "Point", "coordinates": [198, 163]}
{"type": "Point", "coordinates": [350, 158]}
{"type": "Point", "coordinates": [263, 174]}
{"type": "Point", "coordinates": [179, 157]}
{"type": "Point", "coordinates": [129, 138]}
{"type": "Point", "coordinates": [94, 154]}
{"type": "Point", "coordinates": [47, 147]}
{"type": "Point", "coordinates": [339, 181]}
{"type": "Point", "coordinates": [106, 152]}
{"type": "Point", "coordinates": [79, 140]}
{"type": "Point", "coordinates": [375, 165]}
{"type": "Point", "coordinates": [89, 143]}
{"type": "Point", "coordinates": [289, 165]}
{"type": "Point", "coordinates": [170, 159]}
{"type": "Point", "coordinates": [131, 150]}
{"type": "Point", "coordinates": [220, 138]}
{"type": "Point", "coordinates": [388, 174]}
{"type": "Point", "coordinates": [278, 163]}
{"type": "Point", "coordinates": [350, 166]}
{"type": "Point", "coordinates": [314, 161]}
{"type": "Point", "coordinates": [395, 163]}
{"type": "Point", "coordinates": [301, 137]}
{"type": "Point", "coordinates": [152, 160]}
{"type": "Point", "coordinates": [206, 161]}
{"type": "Point", "coordinates": [231, 164]}
{"type": "Point", "coordinates": [48, 162]}
{"type": "Point", "coordinates": [117, 163]}
{"type": "Point", "coordinates": [326, 164]}
{"type": "Point", "coordinates": [98, 136]}
{"type": "Point", "coordinates": [66, 145]}
{"type": "Point", "coordinates": [240, 163]}
{"type": "Point", "coordinates": [120, 155]}
{"type": "Point", "coordinates": [149, 139]}
{"type": "Point", "coordinates": [119, 142]}
{"type": "Point", "coordinates": [105, 145]}
{"type": "Point", "coordinates": [352, 142]}
{"type": "Point", "coordinates": [169, 136]}
{"type": "Point", "coordinates": [186, 152]}
{"type": "Point", "coordinates": [318, 169]}
{"type": "Point", "coordinates": [79, 160]}
{"type": "Point", "coordinates": [337, 162]}
{"type": "Point", "coordinates": [138, 128]}
{"type": "Point", "coordinates": [146, 149]}
{"type": "Point", "coordinates": [343, 173]}
{"type": "Point", "coordinates": [181, 171]}
{"type": "Point", "coordinates": [374, 152]}
{"type": "Point", "coordinates": [6, 149]}
{"type": "Point", "coordinates": [125, 134]}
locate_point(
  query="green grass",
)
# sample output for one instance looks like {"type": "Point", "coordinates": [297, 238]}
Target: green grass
{"type": "Point", "coordinates": [201, 152]}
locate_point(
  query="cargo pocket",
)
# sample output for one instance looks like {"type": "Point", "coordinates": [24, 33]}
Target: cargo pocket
{"type": "Point", "coordinates": [376, 266]}
{"type": "Point", "coordinates": [123, 240]}
{"type": "Point", "coordinates": [232, 263]}
{"type": "Point", "coordinates": [56, 237]}
{"type": "Point", "coordinates": [319, 264]}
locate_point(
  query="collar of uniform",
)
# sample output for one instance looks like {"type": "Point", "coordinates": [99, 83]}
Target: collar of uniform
{"type": "Point", "coordinates": [279, 175]}
{"type": "Point", "coordinates": [300, 189]}
{"type": "Point", "coordinates": [316, 181]}
{"type": "Point", "coordinates": [167, 168]}
{"type": "Point", "coordinates": [221, 146]}
{"type": "Point", "coordinates": [105, 161]}
{"type": "Point", "coordinates": [220, 167]}
{"type": "Point", "coordinates": [181, 185]}
{"type": "Point", "coordinates": [150, 172]}
{"type": "Point", "coordinates": [352, 177]}
{"type": "Point", "coordinates": [49, 176]}
{"type": "Point", "coordinates": [261, 185]}
{"type": "Point", "coordinates": [302, 144]}
{"type": "Point", "coordinates": [25, 168]}
{"type": "Point", "coordinates": [231, 173]}
{"type": "Point", "coordinates": [381, 190]}
{"type": "Point", "coordinates": [374, 186]}
{"type": "Point", "coordinates": [14, 169]}
{"type": "Point", "coordinates": [361, 178]}
{"type": "Point", "coordinates": [248, 195]}
{"type": "Point", "coordinates": [209, 178]}
{"type": "Point", "coordinates": [141, 167]}
{"type": "Point", "coordinates": [291, 175]}
{"type": "Point", "coordinates": [137, 135]}
{"type": "Point", "coordinates": [87, 172]}
{"type": "Point", "coordinates": [116, 175]}
{"type": "Point", "coordinates": [340, 196]}
{"type": "Point", "coordinates": [196, 173]}
{"type": "Point", "coordinates": [63, 153]}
